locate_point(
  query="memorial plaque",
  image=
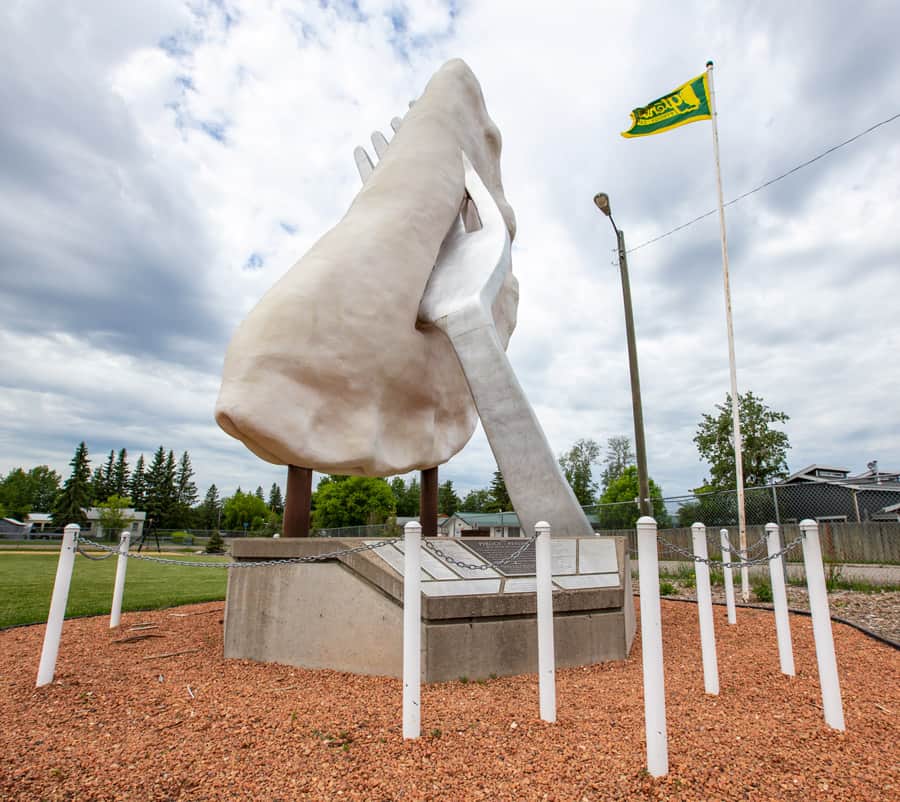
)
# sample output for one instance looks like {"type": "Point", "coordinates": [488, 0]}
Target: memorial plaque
{"type": "Point", "coordinates": [588, 581]}
{"type": "Point", "coordinates": [432, 564]}
{"type": "Point", "coordinates": [597, 557]}
{"type": "Point", "coordinates": [495, 551]}
{"type": "Point", "coordinates": [563, 552]}
{"type": "Point", "coordinates": [394, 558]}
{"type": "Point", "coordinates": [461, 587]}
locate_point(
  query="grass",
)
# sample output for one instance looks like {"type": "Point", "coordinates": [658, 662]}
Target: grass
{"type": "Point", "coordinates": [26, 584]}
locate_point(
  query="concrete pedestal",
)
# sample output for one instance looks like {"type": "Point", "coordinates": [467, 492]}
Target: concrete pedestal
{"type": "Point", "coordinates": [346, 613]}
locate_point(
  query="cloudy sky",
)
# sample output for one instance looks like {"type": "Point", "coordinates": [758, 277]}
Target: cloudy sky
{"type": "Point", "coordinates": [163, 163]}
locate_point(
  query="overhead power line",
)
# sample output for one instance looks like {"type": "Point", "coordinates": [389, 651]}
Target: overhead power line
{"type": "Point", "coordinates": [768, 183]}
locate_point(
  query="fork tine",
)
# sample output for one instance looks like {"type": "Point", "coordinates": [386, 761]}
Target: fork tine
{"type": "Point", "coordinates": [396, 123]}
{"type": "Point", "coordinates": [488, 213]}
{"type": "Point", "coordinates": [363, 163]}
{"type": "Point", "coordinates": [379, 143]}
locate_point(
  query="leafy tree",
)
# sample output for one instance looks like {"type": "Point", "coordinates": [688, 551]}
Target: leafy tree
{"type": "Point", "coordinates": [210, 509]}
{"type": "Point", "coordinates": [406, 497]}
{"type": "Point", "coordinates": [276, 501]}
{"type": "Point", "coordinates": [448, 501]}
{"type": "Point", "coordinates": [576, 465]}
{"type": "Point", "coordinates": [476, 501]}
{"type": "Point", "coordinates": [499, 496]}
{"type": "Point", "coordinates": [618, 457]}
{"type": "Point", "coordinates": [351, 501]}
{"type": "Point", "coordinates": [244, 508]}
{"type": "Point", "coordinates": [34, 491]}
{"type": "Point", "coordinates": [68, 507]}
{"type": "Point", "coordinates": [112, 516]}
{"type": "Point", "coordinates": [623, 511]}
{"type": "Point", "coordinates": [139, 485]}
{"type": "Point", "coordinates": [763, 451]}
{"type": "Point", "coordinates": [120, 475]}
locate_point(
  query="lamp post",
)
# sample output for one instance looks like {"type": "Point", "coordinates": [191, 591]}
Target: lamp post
{"type": "Point", "coordinates": [601, 199]}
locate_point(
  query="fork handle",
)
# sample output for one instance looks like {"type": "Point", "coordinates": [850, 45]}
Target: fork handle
{"type": "Point", "coordinates": [536, 485]}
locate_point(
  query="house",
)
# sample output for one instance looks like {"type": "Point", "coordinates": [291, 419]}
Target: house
{"type": "Point", "coordinates": [10, 527]}
{"type": "Point", "coordinates": [829, 493]}
{"type": "Point", "coordinates": [39, 520]}
{"type": "Point", "coordinates": [134, 520]}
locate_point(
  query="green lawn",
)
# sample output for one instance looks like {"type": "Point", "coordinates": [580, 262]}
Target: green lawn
{"type": "Point", "coordinates": [26, 584]}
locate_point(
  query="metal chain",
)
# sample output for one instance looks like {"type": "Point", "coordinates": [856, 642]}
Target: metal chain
{"type": "Point", "coordinates": [480, 566]}
{"type": "Point", "coordinates": [91, 557]}
{"type": "Point", "coordinates": [739, 564]}
{"type": "Point", "coordinates": [246, 564]}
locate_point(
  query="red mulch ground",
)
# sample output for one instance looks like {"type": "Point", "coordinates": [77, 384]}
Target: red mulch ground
{"type": "Point", "coordinates": [115, 725]}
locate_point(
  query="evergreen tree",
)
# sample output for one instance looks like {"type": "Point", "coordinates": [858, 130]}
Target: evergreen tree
{"type": "Point", "coordinates": [185, 491]}
{"type": "Point", "coordinates": [120, 475]}
{"type": "Point", "coordinates": [499, 496]}
{"type": "Point", "coordinates": [75, 495]}
{"type": "Point", "coordinates": [448, 501]}
{"type": "Point", "coordinates": [98, 486]}
{"type": "Point", "coordinates": [406, 497]}
{"type": "Point", "coordinates": [138, 485]}
{"type": "Point", "coordinates": [259, 493]}
{"type": "Point", "coordinates": [276, 502]}
{"type": "Point", "coordinates": [210, 509]}
{"type": "Point", "coordinates": [109, 468]}
{"type": "Point", "coordinates": [161, 493]}
{"type": "Point", "coordinates": [215, 544]}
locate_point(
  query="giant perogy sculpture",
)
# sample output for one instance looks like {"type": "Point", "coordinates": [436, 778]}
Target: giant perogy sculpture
{"type": "Point", "coordinates": [374, 354]}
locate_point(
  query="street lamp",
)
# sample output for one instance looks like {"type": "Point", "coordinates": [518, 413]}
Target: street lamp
{"type": "Point", "coordinates": [601, 199]}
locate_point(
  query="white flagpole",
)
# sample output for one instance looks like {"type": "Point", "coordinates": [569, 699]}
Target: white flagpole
{"type": "Point", "coordinates": [735, 411]}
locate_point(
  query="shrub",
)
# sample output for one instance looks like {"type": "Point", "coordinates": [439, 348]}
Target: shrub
{"type": "Point", "coordinates": [666, 588]}
{"type": "Point", "coordinates": [215, 544]}
{"type": "Point", "coordinates": [762, 590]}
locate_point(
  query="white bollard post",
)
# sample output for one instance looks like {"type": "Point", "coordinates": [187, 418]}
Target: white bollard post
{"type": "Point", "coordinates": [651, 649]}
{"type": "Point", "coordinates": [779, 599]}
{"type": "Point", "coordinates": [58, 600]}
{"type": "Point", "coordinates": [115, 615]}
{"type": "Point", "coordinates": [821, 620]}
{"type": "Point", "coordinates": [705, 612]}
{"type": "Point", "coordinates": [412, 630]}
{"type": "Point", "coordinates": [546, 652]}
{"type": "Point", "coordinates": [729, 581]}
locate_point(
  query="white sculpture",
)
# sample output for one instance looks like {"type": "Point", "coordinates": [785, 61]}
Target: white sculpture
{"type": "Point", "coordinates": [355, 414]}
{"type": "Point", "coordinates": [331, 369]}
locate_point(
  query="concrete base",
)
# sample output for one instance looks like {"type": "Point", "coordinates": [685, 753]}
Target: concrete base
{"type": "Point", "coordinates": [346, 614]}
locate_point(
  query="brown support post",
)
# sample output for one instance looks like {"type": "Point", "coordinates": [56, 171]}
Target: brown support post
{"type": "Point", "coordinates": [428, 501]}
{"type": "Point", "coordinates": [297, 500]}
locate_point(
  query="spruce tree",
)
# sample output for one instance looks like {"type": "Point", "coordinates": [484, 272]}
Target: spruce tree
{"type": "Point", "coordinates": [259, 493]}
{"type": "Point", "coordinates": [185, 490]}
{"type": "Point", "coordinates": [160, 488]}
{"type": "Point", "coordinates": [108, 470]}
{"type": "Point", "coordinates": [120, 484]}
{"type": "Point", "coordinates": [499, 496]}
{"type": "Point", "coordinates": [276, 501]}
{"type": "Point", "coordinates": [448, 501]}
{"type": "Point", "coordinates": [211, 508]}
{"type": "Point", "coordinates": [139, 485]}
{"type": "Point", "coordinates": [75, 495]}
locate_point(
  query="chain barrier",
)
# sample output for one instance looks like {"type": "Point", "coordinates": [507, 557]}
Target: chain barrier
{"type": "Point", "coordinates": [720, 564]}
{"type": "Point", "coordinates": [481, 566]}
{"type": "Point", "coordinates": [757, 546]}
{"type": "Point", "coordinates": [246, 564]}
{"type": "Point", "coordinates": [84, 554]}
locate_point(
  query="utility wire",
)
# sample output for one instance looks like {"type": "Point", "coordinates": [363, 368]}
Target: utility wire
{"type": "Point", "coordinates": [768, 183]}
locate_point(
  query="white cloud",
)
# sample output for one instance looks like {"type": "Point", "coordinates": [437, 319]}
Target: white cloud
{"type": "Point", "coordinates": [166, 165]}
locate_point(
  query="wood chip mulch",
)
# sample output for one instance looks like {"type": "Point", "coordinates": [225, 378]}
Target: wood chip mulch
{"type": "Point", "coordinates": [170, 719]}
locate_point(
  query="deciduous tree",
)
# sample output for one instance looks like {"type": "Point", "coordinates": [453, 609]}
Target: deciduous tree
{"type": "Point", "coordinates": [351, 501]}
{"type": "Point", "coordinates": [577, 464]}
{"type": "Point", "coordinates": [764, 449]}
{"type": "Point", "coordinates": [621, 510]}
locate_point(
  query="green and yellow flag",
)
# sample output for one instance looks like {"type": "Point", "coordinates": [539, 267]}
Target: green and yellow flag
{"type": "Point", "coordinates": [687, 104]}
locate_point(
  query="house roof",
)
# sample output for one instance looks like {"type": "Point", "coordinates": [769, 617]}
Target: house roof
{"type": "Point", "coordinates": [807, 473]}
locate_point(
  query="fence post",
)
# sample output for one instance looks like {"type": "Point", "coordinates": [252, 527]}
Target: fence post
{"type": "Point", "coordinates": [779, 599]}
{"type": "Point", "coordinates": [115, 615]}
{"type": "Point", "coordinates": [546, 653]}
{"type": "Point", "coordinates": [705, 611]}
{"type": "Point", "coordinates": [726, 573]}
{"type": "Point", "coordinates": [651, 649]}
{"type": "Point", "coordinates": [412, 630]}
{"type": "Point", "coordinates": [821, 620]}
{"type": "Point", "coordinates": [58, 600]}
